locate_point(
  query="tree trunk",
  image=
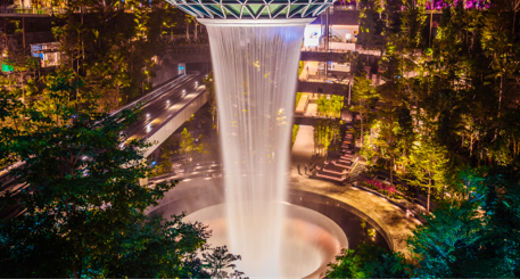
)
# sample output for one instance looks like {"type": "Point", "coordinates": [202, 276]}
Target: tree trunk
{"type": "Point", "coordinates": [187, 31]}
{"type": "Point", "coordinates": [514, 22]}
{"type": "Point", "coordinates": [471, 145]}
{"type": "Point", "coordinates": [23, 34]}
{"type": "Point", "coordinates": [392, 169]}
{"type": "Point", "coordinates": [500, 93]}
{"type": "Point", "coordinates": [430, 34]}
{"type": "Point", "coordinates": [361, 136]}
{"type": "Point", "coordinates": [196, 32]}
{"type": "Point", "coordinates": [428, 198]}
{"type": "Point", "coordinates": [82, 42]}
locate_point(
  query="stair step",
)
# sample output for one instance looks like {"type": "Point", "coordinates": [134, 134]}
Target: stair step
{"type": "Point", "coordinates": [333, 178]}
{"type": "Point", "coordinates": [334, 172]}
{"type": "Point", "coordinates": [342, 165]}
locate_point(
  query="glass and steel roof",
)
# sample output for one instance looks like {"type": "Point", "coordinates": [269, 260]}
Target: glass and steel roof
{"type": "Point", "coordinates": [252, 9]}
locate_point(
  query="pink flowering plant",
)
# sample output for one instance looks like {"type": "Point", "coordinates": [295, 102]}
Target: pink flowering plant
{"type": "Point", "coordinates": [380, 186]}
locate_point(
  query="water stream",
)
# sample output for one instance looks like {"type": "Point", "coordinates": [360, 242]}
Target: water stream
{"type": "Point", "coordinates": [255, 68]}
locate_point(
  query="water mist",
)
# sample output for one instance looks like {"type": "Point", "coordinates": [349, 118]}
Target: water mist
{"type": "Point", "coordinates": [255, 67]}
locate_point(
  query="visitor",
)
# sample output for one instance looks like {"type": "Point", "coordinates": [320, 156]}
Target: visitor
{"type": "Point", "coordinates": [408, 213]}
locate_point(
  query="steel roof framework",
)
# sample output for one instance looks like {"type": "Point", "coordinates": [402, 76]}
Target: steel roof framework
{"type": "Point", "coordinates": [252, 9]}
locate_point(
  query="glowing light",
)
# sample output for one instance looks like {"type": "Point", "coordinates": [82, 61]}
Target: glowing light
{"type": "Point", "coordinates": [254, 135]}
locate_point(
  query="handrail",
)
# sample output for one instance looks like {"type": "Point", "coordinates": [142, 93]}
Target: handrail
{"type": "Point", "coordinates": [149, 96]}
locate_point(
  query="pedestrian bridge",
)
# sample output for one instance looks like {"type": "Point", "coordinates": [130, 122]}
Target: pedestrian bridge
{"type": "Point", "coordinates": [165, 109]}
{"type": "Point", "coordinates": [174, 121]}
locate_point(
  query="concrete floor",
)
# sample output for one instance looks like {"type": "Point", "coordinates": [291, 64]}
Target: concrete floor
{"type": "Point", "coordinates": [303, 146]}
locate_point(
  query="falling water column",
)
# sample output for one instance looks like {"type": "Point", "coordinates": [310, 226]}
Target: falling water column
{"type": "Point", "coordinates": [255, 66]}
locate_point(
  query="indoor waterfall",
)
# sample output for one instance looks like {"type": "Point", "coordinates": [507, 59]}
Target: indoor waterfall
{"type": "Point", "coordinates": [255, 67]}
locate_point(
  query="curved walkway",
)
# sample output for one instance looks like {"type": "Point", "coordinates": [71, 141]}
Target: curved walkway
{"type": "Point", "coordinates": [389, 217]}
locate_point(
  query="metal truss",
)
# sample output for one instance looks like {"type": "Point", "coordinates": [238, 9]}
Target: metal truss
{"type": "Point", "coordinates": [252, 9]}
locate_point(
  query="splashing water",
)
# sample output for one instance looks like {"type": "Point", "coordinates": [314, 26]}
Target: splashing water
{"type": "Point", "coordinates": [255, 68]}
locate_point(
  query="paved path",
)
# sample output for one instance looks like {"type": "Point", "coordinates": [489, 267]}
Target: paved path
{"type": "Point", "coordinates": [312, 110]}
{"type": "Point", "coordinates": [389, 217]}
{"type": "Point", "coordinates": [303, 146]}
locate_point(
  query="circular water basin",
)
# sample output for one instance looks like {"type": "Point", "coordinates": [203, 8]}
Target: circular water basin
{"type": "Point", "coordinates": [309, 241]}
{"type": "Point", "coordinates": [201, 195]}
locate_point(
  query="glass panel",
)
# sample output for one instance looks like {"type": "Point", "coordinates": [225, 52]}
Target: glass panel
{"type": "Point", "coordinates": [255, 8]}
{"type": "Point", "coordinates": [200, 10]}
{"type": "Point", "coordinates": [265, 12]}
{"type": "Point", "coordinates": [296, 9]}
{"type": "Point", "coordinates": [215, 9]}
{"type": "Point", "coordinates": [246, 12]}
{"type": "Point", "coordinates": [233, 9]}
{"type": "Point", "coordinates": [311, 9]}
{"type": "Point", "coordinates": [281, 9]}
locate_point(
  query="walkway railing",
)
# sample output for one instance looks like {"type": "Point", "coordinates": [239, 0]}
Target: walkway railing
{"type": "Point", "coordinates": [33, 11]}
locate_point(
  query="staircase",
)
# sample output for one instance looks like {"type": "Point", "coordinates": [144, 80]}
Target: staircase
{"type": "Point", "coordinates": [338, 169]}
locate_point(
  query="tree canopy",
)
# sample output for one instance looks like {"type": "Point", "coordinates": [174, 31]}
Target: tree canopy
{"type": "Point", "coordinates": [446, 122]}
{"type": "Point", "coordinates": [81, 201]}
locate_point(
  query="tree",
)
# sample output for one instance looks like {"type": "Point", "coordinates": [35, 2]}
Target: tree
{"type": "Point", "coordinates": [189, 146]}
{"type": "Point", "coordinates": [364, 98]}
{"type": "Point", "coordinates": [221, 263]}
{"type": "Point", "coordinates": [371, 26]}
{"type": "Point", "coordinates": [115, 46]}
{"type": "Point", "coordinates": [369, 261]}
{"type": "Point", "coordinates": [477, 237]}
{"type": "Point", "coordinates": [474, 237]}
{"type": "Point", "coordinates": [427, 167]}
{"type": "Point", "coordinates": [325, 132]}
{"type": "Point", "coordinates": [210, 87]}
{"type": "Point", "coordinates": [82, 204]}
{"type": "Point", "coordinates": [188, 19]}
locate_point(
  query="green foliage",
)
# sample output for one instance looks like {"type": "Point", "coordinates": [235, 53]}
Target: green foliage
{"type": "Point", "coordinates": [189, 145]}
{"type": "Point", "coordinates": [330, 105]}
{"type": "Point", "coordinates": [364, 99]}
{"type": "Point", "coordinates": [451, 79]}
{"type": "Point", "coordinates": [448, 101]}
{"type": "Point", "coordinates": [210, 87]}
{"type": "Point", "coordinates": [368, 261]}
{"type": "Point", "coordinates": [325, 132]}
{"type": "Point", "coordinates": [297, 98]}
{"type": "Point", "coordinates": [83, 206]}
{"type": "Point", "coordinates": [475, 238]}
{"type": "Point", "coordinates": [371, 26]}
{"type": "Point", "coordinates": [115, 46]}
{"type": "Point", "coordinates": [300, 67]}
{"type": "Point", "coordinates": [220, 263]}
{"type": "Point", "coordinates": [295, 129]}
{"type": "Point", "coordinates": [427, 166]}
